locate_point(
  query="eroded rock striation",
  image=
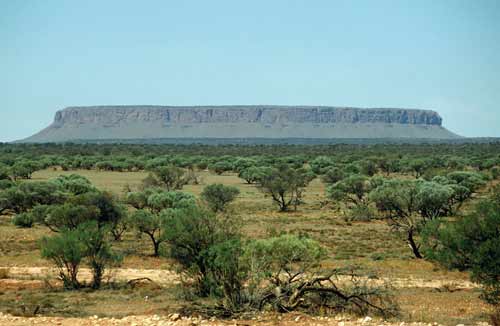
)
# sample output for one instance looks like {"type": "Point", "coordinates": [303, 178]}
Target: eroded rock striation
{"type": "Point", "coordinates": [262, 121]}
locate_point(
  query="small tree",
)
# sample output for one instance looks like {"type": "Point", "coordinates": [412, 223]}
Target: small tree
{"type": "Point", "coordinates": [152, 214]}
{"type": "Point", "coordinates": [5, 172]}
{"type": "Point", "coordinates": [333, 175]}
{"type": "Point", "coordinates": [220, 167]}
{"type": "Point", "coordinates": [495, 172]}
{"type": "Point", "coordinates": [471, 243]}
{"type": "Point", "coordinates": [23, 169]}
{"type": "Point", "coordinates": [243, 163]}
{"type": "Point", "coordinates": [70, 248]}
{"type": "Point", "coordinates": [285, 275]}
{"type": "Point", "coordinates": [409, 205]}
{"type": "Point", "coordinates": [151, 224]}
{"type": "Point", "coordinates": [191, 232]}
{"type": "Point", "coordinates": [254, 173]}
{"type": "Point", "coordinates": [321, 164]}
{"type": "Point", "coordinates": [98, 252]}
{"type": "Point", "coordinates": [219, 196]}
{"type": "Point", "coordinates": [66, 251]}
{"type": "Point", "coordinates": [416, 166]}
{"type": "Point", "coordinates": [388, 166]}
{"type": "Point", "coordinates": [24, 196]}
{"type": "Point", "coordinates": [285, 185]}
{"type": "Point", "coordinates": [369, 167]}
{"type": "Point", "coordinates": [74, 184]}
{"type": "Point", "coordinates": [158, 201]}
{"type": "Point", "coordinates": [170, 177]}
{"type": "Point", "coordinates": [470, 180]}
{"type": "Point", "coordinates": [353, 190]}
{"type": "Point", "coordinates": [397, 200]}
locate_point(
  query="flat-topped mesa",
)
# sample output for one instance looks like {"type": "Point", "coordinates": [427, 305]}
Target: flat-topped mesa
{"type": "Point", "coordinates": [243, 114]}
{"type": "Point", "coordinates": [239, 122]}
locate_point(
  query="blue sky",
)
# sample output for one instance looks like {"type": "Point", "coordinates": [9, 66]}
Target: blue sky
{"type": "Point", "coordinates": [442, 55]}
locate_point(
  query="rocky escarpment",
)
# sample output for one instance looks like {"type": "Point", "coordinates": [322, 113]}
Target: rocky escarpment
{"type": "Point", "coordinates": [152, 122]}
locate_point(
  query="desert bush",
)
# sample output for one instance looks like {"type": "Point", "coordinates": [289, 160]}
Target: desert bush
{"type": "Point", "coordinates": [4, 172]}
{"type": "Point", "coordinates": [321, 164]}
{"type": "Point", "coordinates": [432, 199]}
{"type": "Point", "coordinates": [361, 213]}
{"type": "Point", "coordinates": [151, 224]}
{"type": "Point", "coordinates": [333, 175]}
{"type": "Point", "coordinates": [468, 179]}
{"type": "Point", "coordinates": [220, 167]}
{"type": "Point", "coordinates": [285, 185]}
{"type": "Point", "coordinates": [388, 166]}
{"type": "Point", "coordinates": [417, 166]}
{"type": "Point", "coordinates": [23, 220]}
{"type": "Point", "coordinates": [138, 199]}
{"type": "Point", "coordinates": [66, 251]}
{"type": "Point", "coordinates": [243, 163]}
{"type": "Point", "coordinates": [290, 265]}
{"type": "Point", "coordinates": [88, 243]}
{"type": "Point", "coordinates": [24, 196]}
{"type": "Point", "coordinates": [495, 174]}
{"type": "Point", "coordinates": [191, 232]}
{"type": "Point", "coordinates": [98, 253]}
{"type": "Point", "coordinates": [352, 190]}
{"type": "Point", "coordinates": [159, 201]}
{"type": "Point", "coordinates": [6, 183]}
{"type": "Point", "coordinates": [471, 243]}
{"type": "Point", "coordinates": [74, 184]}
{"type": "Point", "coordinates": [409, 204]}
{"type": "Point", "coordinates": [68, 216]}
{"type": "Point", "coordinates": [95, 205]}
{"type": "Point", "coordinates": [169, 177]}
{"type": "Point", "coordinates": [368, 167]}
{"type": "Point", "coordinates": [151, 215]}
{"type": "Point", "coordinates": [23, 169]}
{"type": "Point", "coordinates": [254, 174]}
{"type": "Point", "coordinates": [202, 165]}
{"type": "Point", "coordinates": [283, 274]}
{"type": "Point", "coordinates": [218, 196]}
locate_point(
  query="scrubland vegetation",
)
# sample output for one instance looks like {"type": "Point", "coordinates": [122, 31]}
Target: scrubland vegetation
{"type": "Point", "coordinates": [382, 230]}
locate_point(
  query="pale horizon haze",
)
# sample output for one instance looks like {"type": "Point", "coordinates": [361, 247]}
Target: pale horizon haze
{"type": "Point", "coordinates": [439, 55]}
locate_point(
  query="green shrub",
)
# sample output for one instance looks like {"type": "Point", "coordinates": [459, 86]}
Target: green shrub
{"type": "Point", "coordinates": [408, 205]}
{"type": "Point", "coordinates": [218, 196]}
{"type": "Point", "coordinates": [333, 175]}
{"type": "Point", "coordinates": [285, 185]}
{"type": "Point", "coordinates": [23, 220]}
{"type": "Point", "coordinates": [220, 167]}
{"type": "Point", "coordinates": [152, 214]}
{"type": "Point", "coordinates": [471, 243]}
{"type": "Point", "coordinates": [191, 233]}
{"type": "Point", "coordinates": [495, 172]}
{"type": "Point", "coordinates": [353, 190]}
{"type": "Point", "coordinates": [88, 243]}
{"type": "Point", "coordinates": [361, 213]}
{"type": "Point", "coordinates": [170, 177]}
{"type": "Point", "coordinates": [66, 251]}
{"type": "Point", "coordinates": [98, 253]}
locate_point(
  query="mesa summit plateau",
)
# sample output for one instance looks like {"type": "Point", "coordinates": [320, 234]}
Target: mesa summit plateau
{"type": "Point", "coordinates": [94, 123]}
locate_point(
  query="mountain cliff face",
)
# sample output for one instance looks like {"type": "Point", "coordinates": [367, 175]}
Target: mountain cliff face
{"type": "Point", "coordinates": [152, 122]}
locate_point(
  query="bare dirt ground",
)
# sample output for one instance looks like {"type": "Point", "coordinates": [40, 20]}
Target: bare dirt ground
{"type": "Point", "coordinates": [162, 276]}
{"type": "Point", "coordinates": [176, 320]}
{"type": "Point", "coordinates": [37, 277]}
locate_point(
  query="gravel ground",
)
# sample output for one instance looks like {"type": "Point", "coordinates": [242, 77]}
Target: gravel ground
{"type": "Point", "coordinates": [176, 320]}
